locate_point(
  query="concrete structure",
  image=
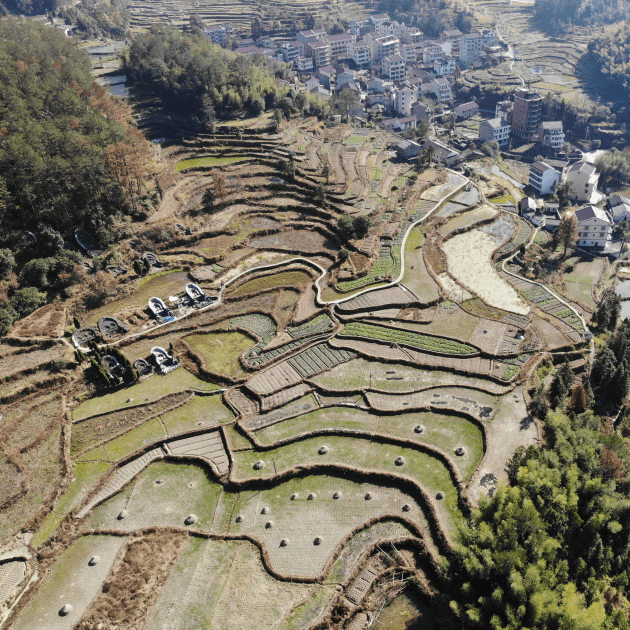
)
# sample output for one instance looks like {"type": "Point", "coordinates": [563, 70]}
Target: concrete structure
{"type": "Point", "coordinates": [408, 149]}
{"type": "Point", "coordinates": [526, 114]}
{"type": "Point", "coordinates": [551, 134]}
{"type": "Point", "coordinates": [583, 178]}
{"type": "Point", "coordinates": [359, 28]}
{"type": "Point", "coordinates": [494, 129]}
{"type": "Point", "coordinates": [303, 64]}
{"type": "Point", "coordinates": [503, 110]}
{"type": "Point", "coordinates": [444, 66]}
{"type": "Point", "coordinates": [312, 82]}
{"type": "Point", "coordinates": [360, 53]}
{"type": "Point", "coordinates": [320, 52]}
{"type": "Point", "coordinates": [392, 28]}
{"type": "Point", "coordinates": [404, 98]}
{"type": "Point", "coordinates": [620, 212]}
{"type": "Point", "coordinates": [412, 35]}
{"type": "Point", "coordinates": [340, 45]}
{"type": "Point", "coordinates": [378, 20]}
{"type": "Point", "coordinates": [327, 76]}
{"type": "Point", "coordinates": [306, 37]}
{"type": "Point", "coordinates": [470, 47]}
{"type": "Point", "coordinates": [420, 111]}
{"type": "Point", "coordinates": [347, 76]}
{"type": "Point", "coordinates": [431, 52]}
{"type": "Point", "coordinates": [442, 89]}
{"type": "Point", "coordinates": [386, 47]}
{"type": "Point", "coordinates": [408, 53]}
{"type": "Point", "coordinates": [467, 110]}
{"type": "Point", "coordinates": [290, 51]}
{"type": "Point", "coordinates": [217, 33]}
{"type": "Point", "coordinates": [394, 67]}
{"type": "Point", "coordinates": [595, 227]}
{"type": "Point", "coordinates": [543, 178]}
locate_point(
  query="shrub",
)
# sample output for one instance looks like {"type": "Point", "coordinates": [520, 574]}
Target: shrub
{"type": "Point", "coordinates": [7, 261]}
{"type": "Point", "coordinates": [6, 321]}
{"type": "Point", "coordinates": [26, 300]}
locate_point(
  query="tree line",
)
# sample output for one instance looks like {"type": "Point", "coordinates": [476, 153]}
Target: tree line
{"type": "Point", "coordinates": [558, 16]}
{"type": "Point", "coordinates": [194, 77]}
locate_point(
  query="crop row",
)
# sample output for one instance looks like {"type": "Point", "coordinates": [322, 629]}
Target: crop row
{"type": "Point", "coordinates": [538, 295]}
{"type": "Point", "coordinates": [439, 345]}
{"type": "Point", "coordinates": [261, 325]}
{"type": "Point", "coordinates": [320, 324]}
{"type": "Point", "coordinates": [523, 232]}
{"type": "Point", "coordinates": [379, 270]}
{"type": "Point", "coordinates": [319, 358]}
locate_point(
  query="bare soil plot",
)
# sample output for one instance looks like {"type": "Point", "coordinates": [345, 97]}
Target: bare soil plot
{"type": "Point", "coordinates": [274, 379]}
{"type": "Point", "coordinates": [294, 408]}
{"type": "Point", "coordinates": [239, 399]}
{"type": "Point", "coordinates": [145, 392]}
{"type": "Point", "coordinates": [306, 306]}
{"type": "Point", "coordinates": [416, 277]}
{"type": "Point", "coordinates": [283, 397]}
{"type": "Point", "coordinates": [223, 584]}
{"type": "Point", "coordinates": [205, 446]}
{"type": "Point", "coordinates": [449, 320]}
{"type": "Point", "coordinates": [47, 321]}
{"type": "Point", "coordinates": [396, 378]}
{"type": "Point", "coordinates": [552, 336]}
{"type": "Point", "coordinates": [163, 495]}
{"type": "Point", "coordinates": [11, 574]}
{"type": "Point", "coordinates": [310, 610]}
{"type": "Point", "coordinates": [488, 335]}
{"type": "Point", "coordinates": [220, 351]}
{"type": "Point", "coordinates": [14, 360]}
{"type": "Point", "coordinates": [469, 260]}
{"type": "Point", "coordinates": [510, 428]}
{"type": "Point", "coordinates": [73, 581]}
{"type": "Point", "coordinates": [161, 285]}
{"type": "Point", "coordinates": [307, 241]}
{"type": "Point", "coordinates": [420, 467]}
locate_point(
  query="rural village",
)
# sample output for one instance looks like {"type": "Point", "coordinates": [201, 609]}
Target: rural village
{"type": "Point", "coordinates": [334, 364]}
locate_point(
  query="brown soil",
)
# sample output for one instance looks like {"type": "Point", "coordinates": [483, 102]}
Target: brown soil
{"type": "Point", "coordinates": [47, 321]}
{"type": "Point", "coordinates": [306, 241]}
{"type": "Point", "coordinates": [424, 315]}
{"type": "Point", "coordinates": [135, 583]}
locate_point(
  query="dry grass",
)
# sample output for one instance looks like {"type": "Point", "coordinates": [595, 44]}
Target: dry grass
{"type": "Point", "coordinates": [220, 351]}
{"type": "Point", "coordinates": [469, 260]}
{"type": "Point", "coordinates": [135, 583]}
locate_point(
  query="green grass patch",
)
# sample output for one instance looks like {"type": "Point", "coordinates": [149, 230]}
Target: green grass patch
{"type": "Point", "coordinates": [424, 469]}
{"type": "Point", "coordinates": [145, 392]}
{"type": "Point", "coordinates": [86, 475]}
{"type": "Point", "coordinates": [209, 161]}
{"type": "Point", "coordinates": [147, 433]}
{"type": "Point", "coordinates": [221, 351]}
{"type": "Point", "coordinates": [208, 410]}
{"type": "Point", "coordinates": [418, 279]}
{"type": "Point", "coordinates": [416, 340]}
{"type": "Point", "coordinates": [552, 87]}
{"type": "Point", "coordinates": [444, 432]}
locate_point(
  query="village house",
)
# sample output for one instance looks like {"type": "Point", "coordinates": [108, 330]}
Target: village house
{"type": "Point", "coordinates": [583, 178]}
{"type": "Point", "coordinates": [543, 178]}
{"type": "Point", "coordinates": [340, 45]}
{"type": "Point", "coordinates": [404, 98]}
{"type": "Point", "coordinates": [303, 64]}
{"type": "Point", "coordinates": [320, 52]}
{"type": "Point", "coordinates": [442, 89]}
{"type": "Point", "coordinates": [394, 67]}
{"type": "Point", "coordinates": [360, 53]}
{"type": "Point", "coordinates": [467, 110]}
{"type": "Point", "coordinates": [551, 134]}
{"type": "Point", "coordinates": [594, 227]}
{"type": "Point", "coordinates": [503, 110]}
{"type": "Point", "coordinates": [408, 149]}
{"type": "Point", "coordinates": [399, 124]}
{"type": "Point", "coordinates": [494, 129]}
{"type": "Point", "coordinates": [470, 47]}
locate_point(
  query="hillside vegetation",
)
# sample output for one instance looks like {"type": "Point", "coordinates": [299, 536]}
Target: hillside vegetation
{"type": "Point", "coordinates": [191, 75]}
{"type": "Point", "coordinates": [553, 16]}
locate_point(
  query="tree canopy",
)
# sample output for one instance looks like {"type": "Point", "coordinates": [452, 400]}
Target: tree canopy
{"type": "Point", "coordinates": [192, 75]}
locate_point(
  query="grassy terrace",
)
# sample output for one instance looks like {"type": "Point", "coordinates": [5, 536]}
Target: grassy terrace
{"type": "Point", "coordinates": [282, 279]}
{"type": "Point", "coordinates": [444, 432]}
{"type": "Point", "coordinates": [363, 454]}
{"type": "Point", "coordinates": [209, 161]}
{"type": "Point", "coordinates": [221, 350]}
{"type": "Point", "coordinates": [415, 340]}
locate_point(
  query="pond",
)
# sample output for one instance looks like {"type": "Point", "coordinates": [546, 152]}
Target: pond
{"type": "Point", "coordinates": [623, 289]}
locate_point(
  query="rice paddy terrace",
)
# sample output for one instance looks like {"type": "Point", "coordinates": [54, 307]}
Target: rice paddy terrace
{"type": "Point", "coordinates": [332, 420]}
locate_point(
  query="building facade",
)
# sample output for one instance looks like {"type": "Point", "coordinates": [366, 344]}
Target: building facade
{"type": "Point", "coordinates": [394, 67]}
{"type": "Point", "coordinates": [495, 129]}
{"type": "Point", "coordinates": [526, 114]}
{"type": "Point", "coordinates": [583, 178]}
{"type": "Point", "coordinates": [551, 134]}
{"type": "Point", "coordinates": [594, 227]}
{"type": "Point", "coordinates": [543, 178]}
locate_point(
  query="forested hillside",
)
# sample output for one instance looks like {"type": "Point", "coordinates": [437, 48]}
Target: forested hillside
{"type": "Point", "coordinates": [555, 16]}
{"type": "Point", "coordinates": [193, 76]}
{"type": "Point", "coordinates": [69, 157]}
{"type": "Point", "coordinates": [27, 7]}
{"type": "Point", "coordinates": [431, 16]}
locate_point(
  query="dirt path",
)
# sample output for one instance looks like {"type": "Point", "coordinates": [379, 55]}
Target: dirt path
{"type": "Point", "coordinates": [335, 162]}
{"type": "Point", "coordinates": [169, 204]}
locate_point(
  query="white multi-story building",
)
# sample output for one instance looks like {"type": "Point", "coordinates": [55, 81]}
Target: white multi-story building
{"type": "Point", "coordinates": [583, 178]}
{"type": "Point", "coordinates": [404, 98]}
{"type": "Point", "coordinates": [340, 45]}
{"type": "Point", "coordinates": [386, 47]}
{"type": "Point", "coordinates": [594, 227]}
{"type": "Point", "coordinates": [305, 37]}
{"type": "Point", "coordinates": [467, 110]}
{"type": "Point", "coordinates": [543, 178]}
{"type": "Point", "coordinates": [470, 47]}
{"type": "Point", "coordinates": [378, 20]}
{"type": "Point", "coordinates": [431, 51]}
{"type": "Point", "coordinates": [412, 35]}
{"type": "Point", "coordinates": [503, 110]}
{"type": "Point", "coordinates": [359, 28]}
{"type": "Point", "coordinates": [217, 33]}
{"type": "Point", "coordinates": [408, 53]}
{"type": "Point", "coordinates": [347, 76]}
{"type": "Point", "coordinates": [392, 28]}
{"type": "Point", "coordinates": [445, 66]}
{"type": "Point", "coordinates": [495, 129]}
{"type": "Point", "coordinates": [394, 67]}
{"type": "Point", "coordinates": [303, 64]}
{"type": "Point", "coordinates": [290, 51]}
{"type": "Point", "coordinates": [360, 53]}
{"type": "Point", "coordinates": [442, 89]}
{"type": "Point", "coordinates": [551, 134]}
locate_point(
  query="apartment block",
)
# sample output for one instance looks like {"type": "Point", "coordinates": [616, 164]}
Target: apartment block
{"type": "Point", "coordinates": [470, 47]}
{"type": "Point", "coordinates": [359, 28]}
{"type": "Point", "coordinates": [408, 53]}
{"type": "Point", "coordinates": [360, 53]}
{"type": "Point", "coordinates": [412, 35]}
{"type": "Point", "coordinates": [445, 66]}
{"type": "Point", "coordinates": [594, 227]}
{"type": "Point", "coordinates": [340, 45]}
{"type": "Point", "coordinates": [394, 67]}
{"type": "Point", "coordinates": [543, 178]}
{"type": "Point", "coordinates": [404, 98]}
{"type": "Point", "coordinates": [385, 47]}
{"type": "Point", "coordinates": [442, 89]}
{"type": "Point", "coordinates": [320, 53]}
{"type": "Point", "coordinates": [526, 114]}
{"type": "Point", "coordinates": [503, 110]}
{"type": "Point", "coordinates": [378, 20]}
{"type": "Point", "coordinates": [217, 34]}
